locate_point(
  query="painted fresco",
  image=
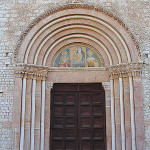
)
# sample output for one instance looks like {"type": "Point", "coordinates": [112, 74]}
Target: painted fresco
{"type": "Point", "coordinates": [77, 56]}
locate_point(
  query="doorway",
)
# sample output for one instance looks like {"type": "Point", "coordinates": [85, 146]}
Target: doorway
{"type": "Point", "coordinates": [77, 117]}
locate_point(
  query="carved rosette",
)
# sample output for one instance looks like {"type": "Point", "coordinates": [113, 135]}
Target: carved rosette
{"type": "Point", "coordinates": [31, 71]}
{"type": "Point", "coordinates": [125, 70]}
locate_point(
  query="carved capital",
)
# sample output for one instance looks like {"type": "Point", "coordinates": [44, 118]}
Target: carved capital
{"type": "Point", "coordinates": [125, 70]}
{"type": "Point", "coordinates": [49, 86]}
{"type": "Point", "coordinates": [31, 71]}
{"type": "Point", "coordinates": [106, 85]}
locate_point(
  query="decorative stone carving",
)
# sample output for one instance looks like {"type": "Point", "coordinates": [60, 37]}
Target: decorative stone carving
{"type": "Point", "coordinates": [106, 85]}
{"type": "Point", "coordinates": [31, 71]}
{"type": "Point", "coordinates": [49, 86]}
{"type": "Point", "coordinates": [124, 70]}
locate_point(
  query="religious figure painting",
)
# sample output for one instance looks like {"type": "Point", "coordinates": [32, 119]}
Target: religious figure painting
{"type": "Point", "coordinates": [77, 56]}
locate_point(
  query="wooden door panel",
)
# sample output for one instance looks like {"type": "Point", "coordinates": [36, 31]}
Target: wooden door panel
{"type": "Point", "coordinates": [98, 122]}
{"type": "Point", "coordinates": [70, 145]}
{"type": "Point", "coordinates": [85, 110]}
{"type": "Point", "coordinates": [58, 110]}
{"type": "Point", "coordinates": [98, 134]}
{"type": "Point", "coordinates": [98, 145]}
{"type": "Point", "coordinates": [78, 117]}
{"type": "Point", "coordinates": [98, 110]}
{"type": "Point", "coordinates": [57, 145]}
{"type": "Point", "coordinates": [86, 145]}
{"type": "Point", "coordinates": [70, 99]}
{"type": "Point", "coordinates": [70, 122]}
{"type": "Point", "coordinates": [58, 122]}
{"type": "Point", "coordinates": [70, 110]}
{"type": "Point", "coordinates": [85, 122]}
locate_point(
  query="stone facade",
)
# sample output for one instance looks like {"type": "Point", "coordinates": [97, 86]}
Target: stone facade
{"type": "Point", "coordinates": [16, 15]}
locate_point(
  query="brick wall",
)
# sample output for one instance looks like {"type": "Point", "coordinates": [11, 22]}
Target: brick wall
{"type": "Point", "coordinates": [15, 15]}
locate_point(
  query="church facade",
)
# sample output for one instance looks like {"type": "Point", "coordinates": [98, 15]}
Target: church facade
{"type": "Point", "coordinates": [75, 75]}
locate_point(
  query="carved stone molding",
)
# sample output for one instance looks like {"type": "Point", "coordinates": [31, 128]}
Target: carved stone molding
{"type": "Point", "coordinates": [74, 5]}
{"type": "Point", "coordinates": [31, 71]}
{"type": "Point", "coordinates": [49, 86]}
{"type": "Point", "coordinates": [125, 70]}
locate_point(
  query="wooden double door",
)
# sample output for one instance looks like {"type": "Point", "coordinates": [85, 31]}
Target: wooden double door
{"type": "Point", "coordinates": [77, 117]}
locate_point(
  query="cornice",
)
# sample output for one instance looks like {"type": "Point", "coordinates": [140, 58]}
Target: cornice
{"type": "Point", "coordinates": [75, 4]}
{"type": "Point", "coordinates": [125, 70]}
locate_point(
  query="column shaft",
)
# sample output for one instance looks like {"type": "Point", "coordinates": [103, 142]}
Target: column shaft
{"type": "Point", "coordinates": [132, 114]}
{"type": "Point", "coordinates": [23, 114]}
{"type": "Point", "coordinates": [42, 115]}
{"type": "Point", "coordinates": [122, 114]}
{"type": "Point", "coordinates": [33, 114]}
{"type": "Point", "coordinates": [113, 116]}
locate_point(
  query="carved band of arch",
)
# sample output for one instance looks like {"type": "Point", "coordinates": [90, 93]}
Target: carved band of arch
{"type": "Point", "coordinates": [79, 17]}
{"type": "Point", "coordinates": [78, 35]}
{"type": "Point", "coordinates": [78, 26]}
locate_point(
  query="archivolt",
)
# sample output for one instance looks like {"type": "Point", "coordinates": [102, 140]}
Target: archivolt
{"type": "Point", "coordinates": [79, 26]}
{"type": "Point", "coordinates": [108, 35]}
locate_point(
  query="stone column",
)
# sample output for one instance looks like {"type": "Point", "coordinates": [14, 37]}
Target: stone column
{"type": "Point", "coordinates": [106, 86]}
{"type": "Point", "coordinates": [42, 114]}
{"type": "Point", "coordinates": [33, 113]}
{"type": "Point", "coordinates": [49, 86]}
{"type": "Point", "coordinates": [130, 73]}
{"type": "Point", "coordinates": [127, 113]}
{"type": "Point", "coordinates": [27, 135]}
{"type": "Point", "coordinates": [117, 113]}
{"type": "Point", "coordinates": [23, 113]}
{"type": "Point", "coordinates": [113, 115]}
{"type": "Point", "coordinates": [30, 76]}
{"type": "Point", "coordinates": [122, 114]}
{"type": "Point", "coordinates": [132, 114]}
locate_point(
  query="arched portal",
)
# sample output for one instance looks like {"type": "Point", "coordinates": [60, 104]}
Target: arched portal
{"type": "Point", "coordinates": [78, 43]}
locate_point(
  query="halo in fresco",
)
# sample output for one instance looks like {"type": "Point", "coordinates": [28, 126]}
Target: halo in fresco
{"type": "Point", "coordinates": [77, 55]}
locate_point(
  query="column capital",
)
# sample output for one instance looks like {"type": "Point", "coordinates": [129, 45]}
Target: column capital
{"type": "Point", "coordinates": [49, 86]}
{"type": "Point", "coordinates": [106, 85]}
{"type": "Point", "coordinates": [31, 71]}
{"type": "Point", "coordinates": [125, 70]}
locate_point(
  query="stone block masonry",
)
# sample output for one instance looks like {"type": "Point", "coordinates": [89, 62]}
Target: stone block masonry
{"type": "Point", "coordinates": [15, 15]}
